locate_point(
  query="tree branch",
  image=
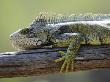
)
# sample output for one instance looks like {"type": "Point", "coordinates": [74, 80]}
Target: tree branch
{"type": "Point", "coordinates": [41, 61]}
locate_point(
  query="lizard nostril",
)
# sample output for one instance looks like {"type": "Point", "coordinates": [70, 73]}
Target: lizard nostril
{"type": "Point", "coordinates": [11, 36]}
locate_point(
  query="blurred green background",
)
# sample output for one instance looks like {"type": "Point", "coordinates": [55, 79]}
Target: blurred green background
{"type": "Point", "coordinates": [16, 14]}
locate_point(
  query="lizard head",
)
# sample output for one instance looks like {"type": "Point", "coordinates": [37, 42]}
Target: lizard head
{"type": "Point", "coordinates": [28, 38]}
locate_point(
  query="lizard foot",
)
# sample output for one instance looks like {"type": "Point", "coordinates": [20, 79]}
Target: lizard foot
{"type": "Point", "coordinates": [69, 56]}
{"type": "Point", "coordinates": [68, 63]}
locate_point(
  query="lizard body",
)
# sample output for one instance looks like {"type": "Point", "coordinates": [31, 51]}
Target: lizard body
{"type": "Point", "coordinates": [71, 34]}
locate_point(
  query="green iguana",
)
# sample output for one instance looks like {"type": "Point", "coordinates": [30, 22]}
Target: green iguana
{"type": "Point", "coordinates": [64, 31]}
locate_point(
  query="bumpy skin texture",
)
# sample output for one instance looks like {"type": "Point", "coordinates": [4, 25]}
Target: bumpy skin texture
{"type": "Point", "coordinates": [71, 34]}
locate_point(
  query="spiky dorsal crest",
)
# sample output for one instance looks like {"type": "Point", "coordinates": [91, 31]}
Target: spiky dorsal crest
{"type": "Point", "coordinates": [45, 18]}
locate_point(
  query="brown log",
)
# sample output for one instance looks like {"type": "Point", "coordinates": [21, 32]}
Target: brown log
{"type": "Point", "coordinates": [41, 61]}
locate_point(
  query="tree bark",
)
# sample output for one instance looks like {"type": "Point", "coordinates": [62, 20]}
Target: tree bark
{"type": "Point", "coordinates": [41, 61]}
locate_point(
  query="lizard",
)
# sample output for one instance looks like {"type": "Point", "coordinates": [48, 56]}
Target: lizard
{"type": "Point", "coordinates": [63, 32]}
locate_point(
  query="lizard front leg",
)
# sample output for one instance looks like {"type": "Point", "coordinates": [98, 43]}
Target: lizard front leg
{"type": "Point", "coordinates": [69, 56]}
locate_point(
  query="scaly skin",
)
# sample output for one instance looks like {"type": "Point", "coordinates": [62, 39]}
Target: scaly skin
{"type": "Point", "coordinates": [71, 34]}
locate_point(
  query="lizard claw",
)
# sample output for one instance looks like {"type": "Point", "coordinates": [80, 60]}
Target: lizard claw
{"type": "Point", "coordinates": [68, 63]}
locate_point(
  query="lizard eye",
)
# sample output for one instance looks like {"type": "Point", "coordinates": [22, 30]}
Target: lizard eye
{"type": "Point", "coordinates": [24, 31]}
